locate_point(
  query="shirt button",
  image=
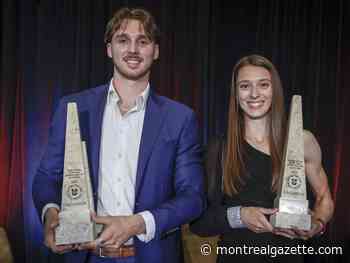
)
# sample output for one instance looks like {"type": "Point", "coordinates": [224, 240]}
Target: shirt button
{"type": "Point", "coordinates": [119, 155]}
{"type": "Point", "coordinates": [118, 203]}
{"type": "Point", "coordinates": [118, 179]}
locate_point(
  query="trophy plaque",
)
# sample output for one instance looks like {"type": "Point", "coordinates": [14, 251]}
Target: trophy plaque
{"type": "Point", "coordinates": [75, 224]}
{"type": "Point", "coordinates": [291, 198]}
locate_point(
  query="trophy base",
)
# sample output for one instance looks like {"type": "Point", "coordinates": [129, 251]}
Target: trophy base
{"type": "Point", "coordinates": [75, 227]}
{"type": "Point", "coordinates": [289, 221]}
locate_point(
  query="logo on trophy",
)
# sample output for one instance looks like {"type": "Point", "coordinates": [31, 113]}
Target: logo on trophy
{"type": "Point", "coordinates": [291, 199]}
{"type": "Point", "coordinates": [75, 224]}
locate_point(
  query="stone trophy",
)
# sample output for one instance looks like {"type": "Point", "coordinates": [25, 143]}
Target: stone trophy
{"type": "Point", "coordinates": [75, 224]}
{"type": "Point", "coordinates": [291, 199]}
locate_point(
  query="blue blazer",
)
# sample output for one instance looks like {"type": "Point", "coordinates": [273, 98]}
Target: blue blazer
{"type": "Point", "coordinates": [169, 179]}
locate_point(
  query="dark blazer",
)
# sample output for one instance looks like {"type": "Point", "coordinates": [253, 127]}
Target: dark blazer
{"type": "Point", "coordinates": [169, 172]}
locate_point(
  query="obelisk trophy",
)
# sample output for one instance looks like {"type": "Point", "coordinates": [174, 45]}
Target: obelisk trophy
{"type": "Point", "coordinates": [75, 224]}
{"type": "Point", "coordinates": [291, 199]}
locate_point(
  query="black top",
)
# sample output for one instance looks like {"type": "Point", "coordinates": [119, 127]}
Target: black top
{"type": "Point", "coordinates": [256, 190]}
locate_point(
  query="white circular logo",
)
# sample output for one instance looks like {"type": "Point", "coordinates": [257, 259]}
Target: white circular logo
{"type": "Point", "coordinates": [294, 181]}
{"type": "Point", "coordinates": [74, 191]}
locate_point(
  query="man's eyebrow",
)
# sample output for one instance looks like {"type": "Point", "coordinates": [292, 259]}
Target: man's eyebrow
{"type": "Point", "coordinates": [143, 36]}
{"type": "Point", "coordinates": [122, 34]}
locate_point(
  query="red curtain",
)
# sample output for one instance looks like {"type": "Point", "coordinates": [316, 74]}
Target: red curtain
{"type": "Point", "coordinates": [12, 168]}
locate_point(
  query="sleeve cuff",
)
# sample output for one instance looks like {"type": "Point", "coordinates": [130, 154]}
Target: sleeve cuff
{"type": "Point", "coordinates": [234, 217]}
{"type": "Point", "coordinates": [150, 227]}
{"type": "Point", "coordinates": [46, 207]}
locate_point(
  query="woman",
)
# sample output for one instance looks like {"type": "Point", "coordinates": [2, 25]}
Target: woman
{"type": "Point", "coordinates": [243, 169]}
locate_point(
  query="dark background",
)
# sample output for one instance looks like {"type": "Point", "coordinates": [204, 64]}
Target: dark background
{"type": "Point", "coordinates": [53, 48]}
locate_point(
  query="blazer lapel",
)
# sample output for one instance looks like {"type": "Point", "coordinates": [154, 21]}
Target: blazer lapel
{"type": "Point", "coordinates": [96, 118]}
{"type": "Point", "coordinates": [154, 117]}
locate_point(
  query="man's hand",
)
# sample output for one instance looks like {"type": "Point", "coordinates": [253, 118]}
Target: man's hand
{"type": "Point", "coordinates": [51, 222]}
{"type": "Point", "coordinates": [255, 220]}
{"type": "Point", "coordinates": [116, 231]}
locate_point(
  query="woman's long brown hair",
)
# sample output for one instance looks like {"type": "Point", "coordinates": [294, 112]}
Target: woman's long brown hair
{"type": "Point", "coordinates": [233, 161]}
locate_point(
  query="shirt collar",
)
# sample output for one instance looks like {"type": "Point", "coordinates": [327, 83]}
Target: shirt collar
{"type": "Point", "coordinates": [141, 100]}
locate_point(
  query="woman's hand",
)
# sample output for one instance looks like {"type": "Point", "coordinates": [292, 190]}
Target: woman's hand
{"type": "Point", "coordinates": [255, 218]}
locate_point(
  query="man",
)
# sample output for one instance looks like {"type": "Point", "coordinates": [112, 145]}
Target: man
{"type": "Point", "coordinates": [144, 154]}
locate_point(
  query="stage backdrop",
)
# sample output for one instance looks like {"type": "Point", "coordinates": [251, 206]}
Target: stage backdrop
{"type": "Point", "coordinates": [50, 48]}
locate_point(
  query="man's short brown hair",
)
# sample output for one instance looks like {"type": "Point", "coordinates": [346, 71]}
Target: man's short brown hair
{"type": "Point", "coordinates": [142, 15]}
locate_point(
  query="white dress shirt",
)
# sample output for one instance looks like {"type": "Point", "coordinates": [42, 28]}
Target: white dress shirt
{"type": "Point", "coordinates": [120, 143]}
